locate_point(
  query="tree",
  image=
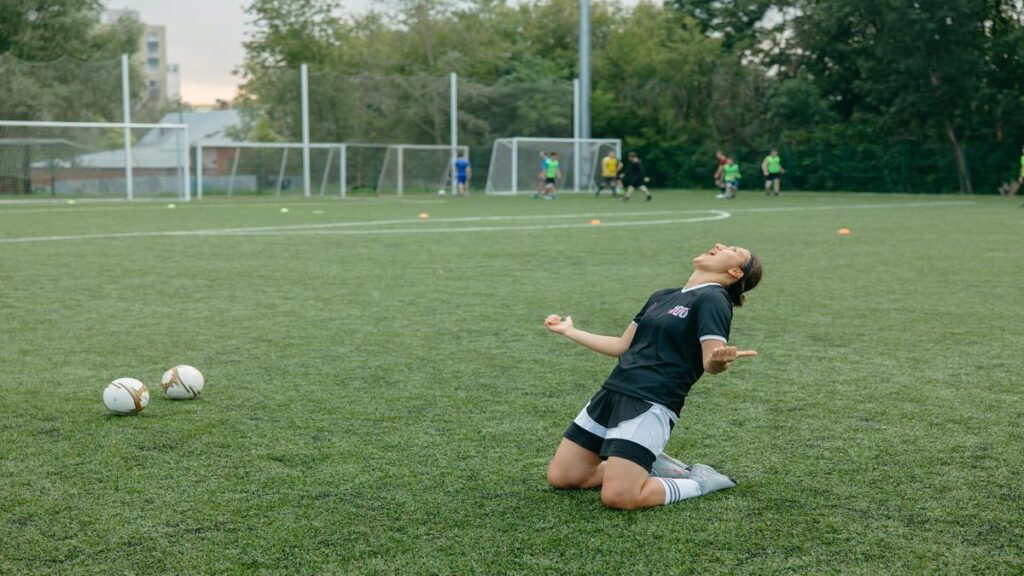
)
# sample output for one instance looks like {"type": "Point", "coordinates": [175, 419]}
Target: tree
{"type": "Point", "coordinates": [917, 66]}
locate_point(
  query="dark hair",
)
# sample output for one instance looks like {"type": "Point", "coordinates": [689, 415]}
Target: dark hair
{"type": "Point", "coordinates": [750, 279]}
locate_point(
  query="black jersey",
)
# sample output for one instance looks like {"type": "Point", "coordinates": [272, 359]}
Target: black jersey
{"type": "Point", "coordinates": [665, 358]}
{"type": "Point", "coordinates": [633, 173]}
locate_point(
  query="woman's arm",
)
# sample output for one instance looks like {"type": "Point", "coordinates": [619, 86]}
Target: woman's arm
{"type": "Point", "coordinates": [718, 356]}
{"type": "Point", "coordinates": [613, 346]}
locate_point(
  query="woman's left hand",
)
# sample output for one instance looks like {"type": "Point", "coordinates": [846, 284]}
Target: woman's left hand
{"type": "Point", "coordinates": [726, 354]}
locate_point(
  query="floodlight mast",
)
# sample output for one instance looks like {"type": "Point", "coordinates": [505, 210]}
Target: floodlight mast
{"type": "Point", "coordinates": [584, 69]}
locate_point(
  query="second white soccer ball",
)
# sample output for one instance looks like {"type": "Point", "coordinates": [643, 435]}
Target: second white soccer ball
{"type": "Point", "coordinates": [183, 382]}
{"type": "Point", "coordinates": [441, 192]}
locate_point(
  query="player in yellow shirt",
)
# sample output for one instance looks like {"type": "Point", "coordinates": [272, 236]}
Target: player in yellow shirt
{"type": "Point", "coordinates": [610, 167]}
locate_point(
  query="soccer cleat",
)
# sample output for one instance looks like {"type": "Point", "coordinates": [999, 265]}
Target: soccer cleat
{"type": "Point", "coordinates": [666, 466]}
{"type": "Point", "coordinates": [709, 479]}
{"type": "Point", "coordinates": [649, 198]}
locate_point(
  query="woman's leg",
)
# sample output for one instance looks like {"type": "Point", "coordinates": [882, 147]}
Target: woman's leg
{"type": "Point", "coordinates": [627, 485]}
{"type": "Point", "coordinates": [573, 466]}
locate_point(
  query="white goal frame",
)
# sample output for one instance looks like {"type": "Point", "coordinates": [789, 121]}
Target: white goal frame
{"type": "Point", "coordinates": [517, 187]}
{"type": "Point", "coordinates": [182, 153]}
{"type": "Point", "coordinates": [341, 148]}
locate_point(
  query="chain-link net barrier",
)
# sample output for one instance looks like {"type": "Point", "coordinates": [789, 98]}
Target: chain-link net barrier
{"type": "Point", "coordinates": [89, 162]}
{"type": "Point", "coordinates": [902, 168]}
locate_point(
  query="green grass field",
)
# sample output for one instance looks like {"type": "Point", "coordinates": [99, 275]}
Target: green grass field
{"type": "Point", "coordinates": [382, 397]}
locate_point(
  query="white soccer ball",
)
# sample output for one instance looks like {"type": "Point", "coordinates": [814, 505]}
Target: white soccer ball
{"type": "Point", "coordinates": [441, 192]}
{"type": "Point", "coordinates": [126, 396]}
{"type": "Point", "coordinates": [183, 382]}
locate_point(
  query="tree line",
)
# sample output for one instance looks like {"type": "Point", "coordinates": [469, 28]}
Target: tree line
{"type": "Point", "coordinates": [857, 94]}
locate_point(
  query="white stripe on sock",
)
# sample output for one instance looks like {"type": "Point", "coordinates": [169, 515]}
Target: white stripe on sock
{"type": "Point", "coordinates": [677, 489]}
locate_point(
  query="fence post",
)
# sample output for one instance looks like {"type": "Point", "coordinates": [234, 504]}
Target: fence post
{"type": "Point", "coordinates": [126, 104]}
{"type": "Point", "coordinates": [515, 165]}
{"type": "Point", "coordinates": [199, 170]}
{"type": "Point", "coordinates": [401, 169]}
{"type": "Point", "coordinates": [186, 172]}
{"type": "Point", "coordinates": [305, 130]}
{"type": "Point", "coordinates": [576, 132]}
{"type": "Point", "coordinates": [343, 176]}
{"type": "Point", "coordinates": [454, 128]}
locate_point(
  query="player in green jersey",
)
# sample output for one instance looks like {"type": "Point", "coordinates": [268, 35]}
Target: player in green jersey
{"type": "Point", "coordinates": [731, 177]}
{"type": "Point", "coordinates": [551, 175]}
{"type": "Point", "coordinates": [772, 169]}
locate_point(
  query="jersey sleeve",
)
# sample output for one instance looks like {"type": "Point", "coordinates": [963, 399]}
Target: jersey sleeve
{"type": "Point", "coordinates": [714, 317]}
{"type": "Point", "coordinates": [650, 302]}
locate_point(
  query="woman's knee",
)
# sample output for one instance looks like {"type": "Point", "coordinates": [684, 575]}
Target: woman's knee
{"type": "Point", "coordinates": [563, 477]}
{"type": "Point", "coordinates": [619, 496]}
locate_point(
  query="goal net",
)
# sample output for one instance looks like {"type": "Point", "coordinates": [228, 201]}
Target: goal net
{"type": "Point", "coordinates": [266, 169]}
{"type": "Point", "coordinates": [417, 168]}
{"type": "Point", "coordinates": [336, 169]}
{"type": "Point", "coordinates": [516, 163]}
{"type": "Point", "coordinates": [68, 160]}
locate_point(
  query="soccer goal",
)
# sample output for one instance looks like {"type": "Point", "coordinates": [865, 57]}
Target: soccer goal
{"type": "Point", "coordinates": [517, 163]}
{"type": "Point", "coordinates": [336, 169]}
{"type": "Point", "coordinates": [268, 168]}
{"type": "Point", "coordinates": [68, 160]}
{"type": "Point", "coordinates": [417, 168]}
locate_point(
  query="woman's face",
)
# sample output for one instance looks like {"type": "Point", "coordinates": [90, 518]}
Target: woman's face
{"type": "Point", "coordinates": [721, 258]}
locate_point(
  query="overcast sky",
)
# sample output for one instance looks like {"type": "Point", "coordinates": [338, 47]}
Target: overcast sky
{"type": "Point", "coordinates": [205, 37]}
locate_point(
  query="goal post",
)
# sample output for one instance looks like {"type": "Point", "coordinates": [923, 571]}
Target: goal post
{"type": "Point", "coordinates": [516, 163]}
{"type": "Point", "coordinates": [69, 160]}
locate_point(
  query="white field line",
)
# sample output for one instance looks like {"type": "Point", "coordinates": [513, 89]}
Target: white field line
{"type": "Point", "coordinates": [338, 227]}
{"type": "Point", "coordinates": [714, 215]}
{"type": "Point", "coordinates": [97, 205]}
{"type": "Point", "coordinates": [329, 227]}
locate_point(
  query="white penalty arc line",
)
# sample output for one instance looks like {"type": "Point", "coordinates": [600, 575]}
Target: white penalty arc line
{"type": "Point", "coordinates": [715, 215]}
{"type": "Point", "coordinates": [303, 229]}
{"type": "Point", "coordinates": [338, 227]}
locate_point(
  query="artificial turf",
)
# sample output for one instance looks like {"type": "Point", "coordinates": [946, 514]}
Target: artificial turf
{"type": "Point", "coordinates": [382, 396]}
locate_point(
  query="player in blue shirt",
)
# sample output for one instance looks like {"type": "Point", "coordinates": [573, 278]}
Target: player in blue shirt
{"type": "Point", "coordinates": [616, 441]}
{"type": "Point", "coordinates": [463, 172]}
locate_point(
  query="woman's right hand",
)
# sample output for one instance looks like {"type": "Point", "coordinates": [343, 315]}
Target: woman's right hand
{"type": "Point", "coordinates": [556, 324]}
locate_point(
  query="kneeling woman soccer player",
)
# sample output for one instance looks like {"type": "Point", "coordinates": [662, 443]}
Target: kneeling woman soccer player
{"type": "Point", "coordinates": [617, 439]}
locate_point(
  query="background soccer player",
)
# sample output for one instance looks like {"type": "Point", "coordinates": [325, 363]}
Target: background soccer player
{"type": "Point", "coordinates": [551, 175]}
{"type": "Point", "coordinates": [610, 166]}
{"type": "Point", "coordinates": [772, 169]}
{"type": "Point", "coordinates": [731, 178]}
{"type": "Point", "coordinates": [463, 172]}
{"type": "Point", "coordinates": [634, 177]}
{"type": "Point", "coordinates": [719, 182]}
{"type": "Point", "coordinates": [679, 334]}
{"type": "Point", "coordinates": [1020, 177]}
{"type": "Point", "coordinates": [542, 175]}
